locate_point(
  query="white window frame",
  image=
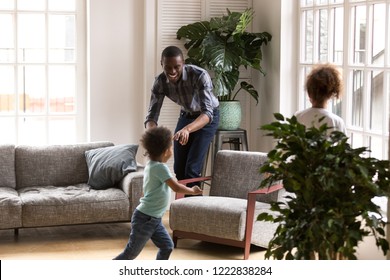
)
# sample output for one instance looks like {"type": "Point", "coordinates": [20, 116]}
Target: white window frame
{"type": "Point", "coordinates": [347, 66]}
{"type": "Point", "coordinates": [80, 112]}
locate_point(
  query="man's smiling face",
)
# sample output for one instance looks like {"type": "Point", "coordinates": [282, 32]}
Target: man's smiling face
{"type": "Point", "coordinates": [172, 67]}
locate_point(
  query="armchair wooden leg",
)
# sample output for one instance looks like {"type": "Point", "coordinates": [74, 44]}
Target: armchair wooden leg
{"type": "Point", "coordinates": [250, 213]}
{"type": "Point", "coordinates": [16, 232]}
{"type": "Point", "coordinates": [247, 251]}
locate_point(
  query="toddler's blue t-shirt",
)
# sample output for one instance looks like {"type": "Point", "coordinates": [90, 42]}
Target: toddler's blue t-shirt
{"type": "Point", "coordinates": [156, 192]}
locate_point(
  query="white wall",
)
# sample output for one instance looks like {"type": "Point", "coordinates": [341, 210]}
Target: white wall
{"type": "Point", "coordinates": [116, 70]}
{"type": "Point", "coordinates": [278, 87]}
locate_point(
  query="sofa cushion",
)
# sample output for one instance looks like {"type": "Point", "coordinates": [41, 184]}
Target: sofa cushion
{"type": "Point", "coordinates": [7, 166]}
{"type": "Point", "coordinates": [107, 166]}
{"type": "Point", "coordinates": [10, 208]}
{"type": "Point", "coordinates": [76, 204]}
{"type": "Point", "coordinates": [58, 165]}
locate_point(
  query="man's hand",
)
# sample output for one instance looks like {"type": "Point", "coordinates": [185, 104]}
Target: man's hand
{"type": "Point", "coordinates": [182, 136]}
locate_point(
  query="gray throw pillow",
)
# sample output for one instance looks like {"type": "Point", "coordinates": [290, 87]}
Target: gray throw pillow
{"type": "Point", "coordinates": [107, 166]}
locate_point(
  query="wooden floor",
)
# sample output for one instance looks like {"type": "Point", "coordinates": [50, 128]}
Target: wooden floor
{"type": "Point", "coordinates": [102, 242]}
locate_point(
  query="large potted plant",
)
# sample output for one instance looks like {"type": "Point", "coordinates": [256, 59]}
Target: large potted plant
{"type": "Point", "coordinates": [222, 45]}
{"type": "Point", "coordinates": [330, 209]}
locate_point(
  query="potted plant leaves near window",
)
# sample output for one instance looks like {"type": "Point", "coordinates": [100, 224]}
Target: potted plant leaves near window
{"type": "Point", "coordinates": [222, 45]}
{"type": "Point", "coordinates": [331, 187]}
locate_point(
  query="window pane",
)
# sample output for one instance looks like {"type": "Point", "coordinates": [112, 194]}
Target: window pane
{"type": "Point", "coordinates": [335, 106]}
{"type": "Point", "coordinates": [57, 126]}
{"type": "Point", "coordinates": [377, 100]}
{"type": "Point", "coordinates": [7, 124]}
{"type": "Point", "coordinates": [32, 130]}
{"type": "Point", "coordinates": [356, 140]}
{"type": "Point", "coordinates": [378, 34]}
{"type": "Point", "coordinates": [357, 80]}
{"type": "Point", "coordinates": [32, 89]}
{"type": "Point", "coordinates": [338, 35]}
{"type": "Point", "coordinates": [323, 40]}
{"type": "Point", "coordinates": [31, 38]}
{"type": "Point", "coordinates": [35, 5]}
{"type": "Point", "coordinates": [62, 38]}
{"type": "Point", "coordinates": [305, 3]}
{"type": "Point", "coordinates": [62, 89]}
{"type": "Point", "coordinates": [376, 147]}
{"type": "Point", "coordinates": [308, 31]}
{"type": "Point", "coordinates": [7, 89]}
{"type": "Point", "coordinates": [61, 5]}
{"type": "Point", "coordinates": [322, 2]}
{"type": "Point", "coordinates": [7, 4]}
{"type": "Point", "coordinates": [306, 100]}
{"type": "Point", "coordinates": [7, 47]}
{"type": "Point", "coordinates": [359, 25]}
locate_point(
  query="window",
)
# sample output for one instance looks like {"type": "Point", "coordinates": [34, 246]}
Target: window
{"type": "Point", "coordinates": [41, 65]}
{"type": "Point", "coordinates": [353, 34]}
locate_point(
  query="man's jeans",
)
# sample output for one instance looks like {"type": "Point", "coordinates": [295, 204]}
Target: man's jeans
{"type": "Point", "coordinates": [189, 158]}
{"type": "Point", "coordinates": [143, 228]}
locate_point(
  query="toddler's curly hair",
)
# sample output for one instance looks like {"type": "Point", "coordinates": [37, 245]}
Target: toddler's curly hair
{"type": "Point", "coordinates": [156, 141]}
{"type": "Point", "coordinates": [324, 82]}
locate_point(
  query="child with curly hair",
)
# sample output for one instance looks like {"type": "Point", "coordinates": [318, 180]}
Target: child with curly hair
{"type": "Point", "coordinates": [146, 222]}
{"type": "Point", "coordinates": [322, 84]}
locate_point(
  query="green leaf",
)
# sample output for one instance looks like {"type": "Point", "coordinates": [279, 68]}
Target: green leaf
{"type": "Point", "coordinates": [194, 31]}
{"type": "Point", "coordinates": [279, 116]}
{"type": "Point", "coordinates": [265, 217]}
{"type": "Point", "coordinates": [223, 83]}
{"type": "Point", "coordinates": [250, 89]}
{"type": "Point", "coordinates": [245, 20]}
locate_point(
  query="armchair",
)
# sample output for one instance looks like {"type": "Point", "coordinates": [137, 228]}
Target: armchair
{"type": "Point", "coordinates": [228, 214]}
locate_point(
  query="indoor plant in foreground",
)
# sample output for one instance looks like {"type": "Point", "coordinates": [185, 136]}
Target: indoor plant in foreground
{"type": "Point", "coordinates": [331, 185]}
{"type": "Point", "coordinates": [222, 45]}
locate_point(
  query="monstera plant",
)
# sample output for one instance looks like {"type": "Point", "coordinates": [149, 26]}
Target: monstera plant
{"type": "Point", "coordinates": [331, 187]}
{"type": "Point", "coordinates": [223, 46]}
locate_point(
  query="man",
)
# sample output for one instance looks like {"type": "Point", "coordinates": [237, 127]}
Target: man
{"type": "Point", "coordinates": [190, 87]}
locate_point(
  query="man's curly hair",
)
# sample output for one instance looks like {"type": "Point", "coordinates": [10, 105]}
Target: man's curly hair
{"type": "Point", "coordinates": [156, 141]}
{"type": "Point", "coordinates": [324, 82]}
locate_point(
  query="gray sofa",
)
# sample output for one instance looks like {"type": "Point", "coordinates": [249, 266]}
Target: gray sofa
{"type": "Point", "coordinates": [47, 186]}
